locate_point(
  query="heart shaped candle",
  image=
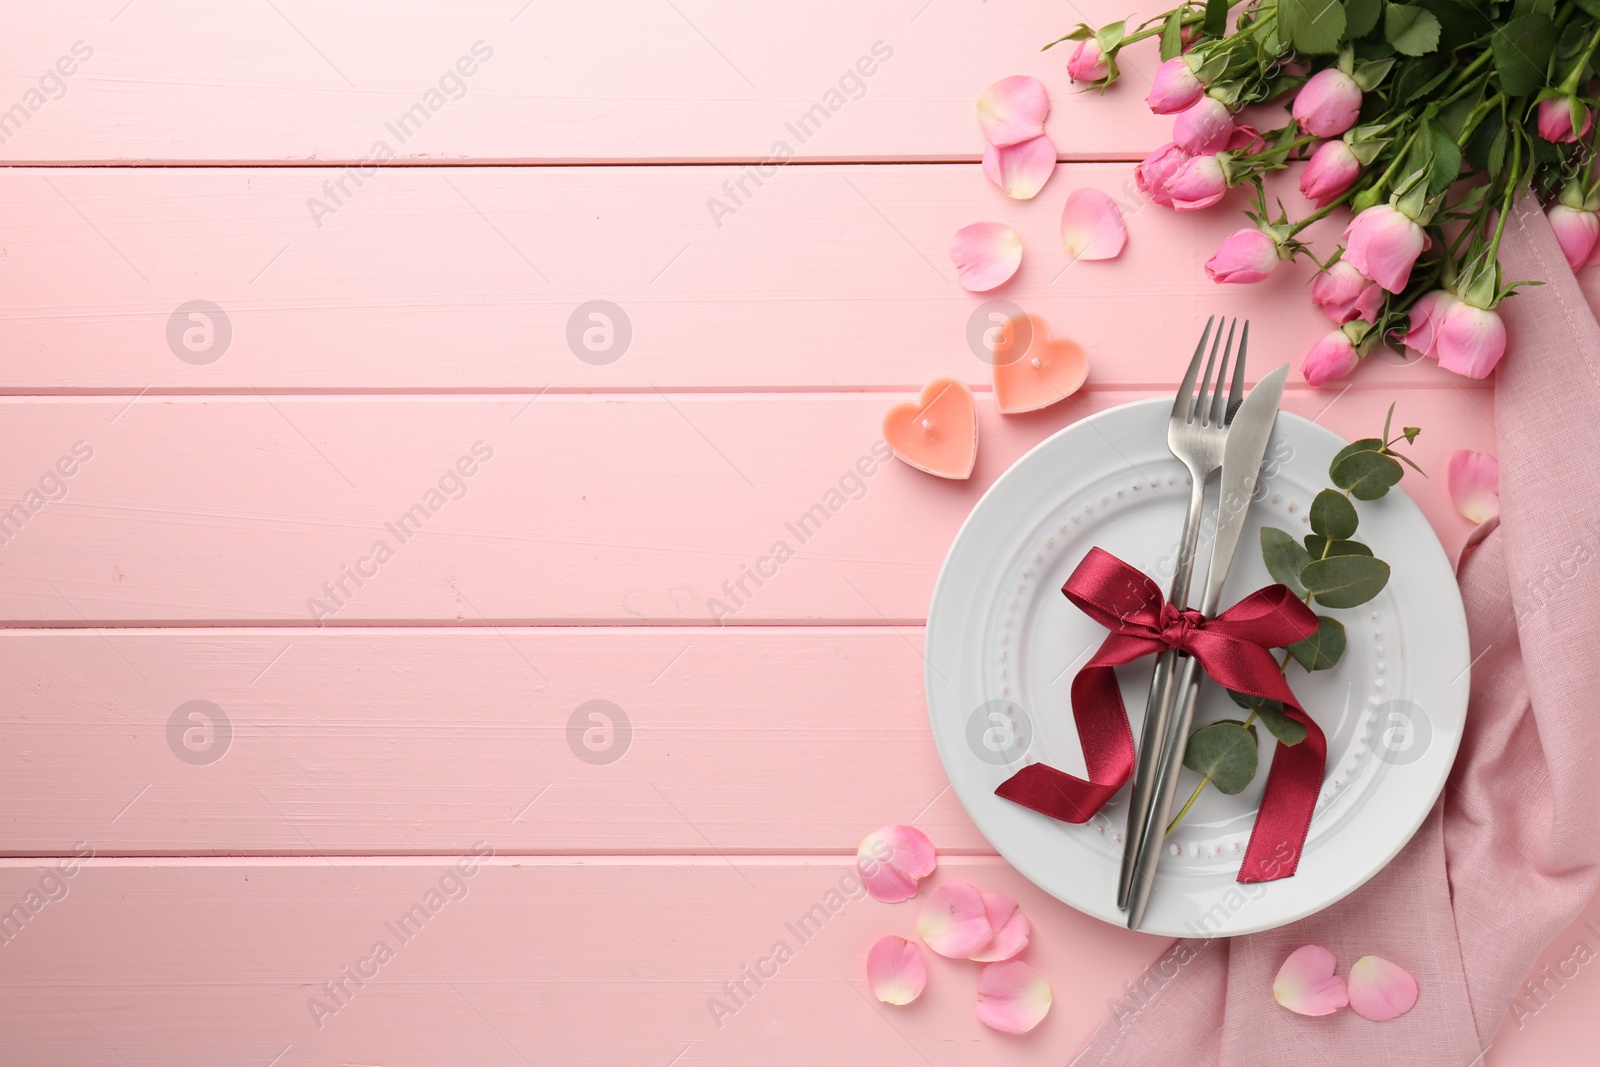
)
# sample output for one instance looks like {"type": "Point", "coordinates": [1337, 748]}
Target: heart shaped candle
{"type": "Point", "coordinates": [1047, 372]}
{"type": "Point", "coordinates": [939, 432]}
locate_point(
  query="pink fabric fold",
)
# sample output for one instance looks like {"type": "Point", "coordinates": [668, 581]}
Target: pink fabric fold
{"type": "Point", "coordinates": [1511, 853]}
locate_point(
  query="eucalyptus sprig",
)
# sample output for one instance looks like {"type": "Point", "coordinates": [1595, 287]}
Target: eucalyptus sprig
{"type": "Point", "coordinates": [1328, 568]}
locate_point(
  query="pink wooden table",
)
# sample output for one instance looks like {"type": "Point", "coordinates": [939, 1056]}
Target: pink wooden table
{"type": "Point", "coordinates": [242, 745]}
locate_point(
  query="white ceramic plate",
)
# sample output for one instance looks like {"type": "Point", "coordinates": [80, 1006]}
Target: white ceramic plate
{"type": "Point", "coordinates": [1003, 645]}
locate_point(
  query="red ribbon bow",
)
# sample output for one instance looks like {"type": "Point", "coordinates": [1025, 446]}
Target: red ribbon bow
{"type": "Point", "coordinates": [1232, 649]}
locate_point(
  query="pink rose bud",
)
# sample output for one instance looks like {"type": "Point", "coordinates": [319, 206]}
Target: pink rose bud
{"type": "Point", "coordinates": [1197, 184]}
{"type": "Point", "coordinates": [1153, 172]}
{"type": "Point", "coordinates": [1332, 357]}
{"type": "Point", "coordinates": [1248, 255]}
{"type": "Point", "coordinates": [1246, 141]}
{"type": "Point", "coordinates": [1327, 105]}
{"type": "Point", "coordinates": [1426, 314]}
{"type": "Point", "coordinates": [1346, 294]}
{"type": "Point", "coordinates": [1204, 128]}
{"type": "Point", "coordinates": [1384, 244]}
{"type": "Point", "coordinates": [1088, 62]}
{"type": "Point", "coordinates": [1555, 120]}
{"type": "Point", "coordinates": [1332, 170]}
{"type": "Point", "coordinates": [1470, 340]}
{"type": "Point", "coordinates": [1175, 87]}
{"type": "Point", "coordinates": [1577, 231]}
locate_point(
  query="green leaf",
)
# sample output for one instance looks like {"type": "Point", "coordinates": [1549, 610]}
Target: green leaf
{"type": "Point", "coordinates": [1319, 547]}
{"type": "Point", "coordinates": [1590, 7]}
{"type": "Point", "coordinates": [1361, 15]}
{"type": "Point", "coordinates": [1226, 752]}
{"type": "Point", "coordinates": [1332, 515]}
{"type": "Point", "coordinates": [1421, 78]}
{"type": "Point", "coordinates": [1414, 31]}
{"type": "Point", "coordinates": [1285, 558]}
{"type": "Point", "coordinates": [1411, 433]}
{"type": "Point", "coordinates": [1368, 475]}
{"type": "Point", "coordinates": [1365, 444]}
{"type": "Point", "coordinates": [1345, 581]}
{"type": "Point", "coordinates": [1522, 50]}
{"type": "Point", "coordinates": [1315, 26]}
{"type": "Point", "coordinates": [1322, 649]}
{"type": "Point", "coordinates": [1215, 23]}
{"type": "Point", "coordinates": [1370, 75]}
{"type": "Point", "coordinates": [1446, 165]}
{"type": "Point", "coordinates": [1271, 715]}
{"type": "Point", "coordinates": [1172, 35]}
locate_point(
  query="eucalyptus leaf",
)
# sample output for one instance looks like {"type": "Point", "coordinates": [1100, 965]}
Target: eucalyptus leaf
{"type": "Point", "coordinates": [1224, 751]}
{"type": "Point", "coordinates": [1319, 546]}
{"type": "Point", "coordinates": [1345, 581]}
{"type": "Point", "coordinates": [1270, 714]}
{"type": "Point", "coordinates": [1332, 515]}
{"type": "Point", "coordinates": [1522, 50]}
{"type": "Point", "coordinates": [1368, 475]}
{"type": "Point", "coordinates": [1414, 31]}
{"type": "Point", "coordinates": [1322, 649]}
{"type": "Point", "coordinates": [1285, 558]}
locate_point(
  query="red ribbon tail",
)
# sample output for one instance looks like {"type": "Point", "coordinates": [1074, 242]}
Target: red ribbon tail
{"type": "Point", "coordinates": [1056, 793]}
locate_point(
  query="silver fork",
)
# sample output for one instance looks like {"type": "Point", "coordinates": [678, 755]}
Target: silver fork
{"type": "Point", "coordinates": [1196, 432]}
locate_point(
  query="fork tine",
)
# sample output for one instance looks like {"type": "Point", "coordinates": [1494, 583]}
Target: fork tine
{"type": "Point", "coordinates": [1184, 400]}
{"type": "Point", "coordinates": [1236, 393]}
{"type": "Point", "coordinates": [1197, 409]}
{"type": "Point", "coordinates": [1215, 418]}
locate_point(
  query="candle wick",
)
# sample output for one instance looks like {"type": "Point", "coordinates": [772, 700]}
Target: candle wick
{"type": "Point", "coordinates": [1035, 362]}
{"type": "Point", "coordinates": [927, 424]}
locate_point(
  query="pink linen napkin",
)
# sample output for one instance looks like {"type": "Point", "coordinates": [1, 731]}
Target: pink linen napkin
{"type": "Point", "coordinates": [1511, 852]}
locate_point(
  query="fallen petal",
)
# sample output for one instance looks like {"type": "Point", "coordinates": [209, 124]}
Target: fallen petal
{"type": "Point", "coordinates": [1380, 990]}
{"type": "Point", "coordinates": [1020, 169]}
{"type": "Point", "coordinates": [1011, 928]}
{"type": "Point", "coordinates": [893, 860]}
{"type": "Point", "coordinates": [986, 254]}
{"type": "Point", "coordinates": [1092, 226]}
{"type": "Point", "coordinates": [1013, 110]}
{"type": "Point", "coordinates": [1012, 997]}
{"type": "Point", "coordinates": [1307, 985]}
{"type": "Point", "coordinates": [895, 970]}
{"type": "Point", "coordinates": [1474, 479]}
{"type": "Point", "coordinates": [953, 922]}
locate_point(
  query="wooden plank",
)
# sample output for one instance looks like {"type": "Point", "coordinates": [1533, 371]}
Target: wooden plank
{"type": "Point", "coordinates": [222, 962]}
{"type": "Point", "coordinates": [704, 740]}
{"type": "Point", "coordinates": [477, 279]}
{"type": "Point", "coordinates": [632, 509]}
{"type": "Point", "coordinates": [186, 80]}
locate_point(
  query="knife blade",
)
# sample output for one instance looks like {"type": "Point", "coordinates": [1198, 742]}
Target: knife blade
{"type": "Point", "coordinates": [1246, 447]}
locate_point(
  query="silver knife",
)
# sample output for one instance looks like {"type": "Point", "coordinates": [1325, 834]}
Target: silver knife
{"type": "Point", "coordinates": [1246, 447]}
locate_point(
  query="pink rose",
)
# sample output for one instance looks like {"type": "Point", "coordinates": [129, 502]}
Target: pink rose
{"type": "Point", "coordinates": [1346, 294]}
{"type": "Point", "coordinates": [1332, 170]}
{"type": "Point", "coordinates": [1555, 120]}
{"type": "Point", "coordinates": [1577, 231]}
{"type": "Point", "coordinates": [1088, 62]}
{"type": "Point", "coordinates": [1470, 340]}
{"type": "Point", "coordinates": [1332, 357]}
{"type": "Point", "coordinates": [1426, 314]}
{"type": "Point", "coordinates": [1204, 128]}
{"type": "Point", "coordinates": [1199, 183]}
{"type": "Point", "coordinates": [1384, 245]}
{"type": "Point", "coordinates": [1328, 104]}
{"type": "Point", "coordinates": [1248, 255]}
{"type": "Point", "coordinates": [1152, 174]}
{"type": "Point", "coordinates": [1175, 87]}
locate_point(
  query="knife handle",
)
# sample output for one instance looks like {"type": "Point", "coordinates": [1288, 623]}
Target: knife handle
{"type": "Point", "coordinates": [1152, 739]}
{"type": "Point", "coordinates": [1186, 686]}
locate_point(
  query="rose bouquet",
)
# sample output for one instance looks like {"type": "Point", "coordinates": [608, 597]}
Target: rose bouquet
{"type": "Point", "coordinates": [1425, 120]}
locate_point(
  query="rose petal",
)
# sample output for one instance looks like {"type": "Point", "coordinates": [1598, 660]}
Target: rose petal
{"type": "Point", "coordinates": [986, 254]}
{"type": "Point", "coordinates": [1380, 990]}
{"type": "Point", "coordinates": [1307, 985]}
{"type": "Point", "coordinates": [895, 970]}
{"type": "Point", "coordinates": [1474, 479]}
{"type": "Point", "coordinates": [953, 922]}
{"type": "Point", "coordinates": [1011, 928]}
{"type": "Point", "coordinates": [893, 860]}
{"type": "Point", "coordinates": [1092, 226]}
{"type": "Point", "coordinates": [1020, 169]}
{"type": "Point", "coordinates": [1012, 997]}
{"type": "Point", "coordinates": [1013, 110]}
